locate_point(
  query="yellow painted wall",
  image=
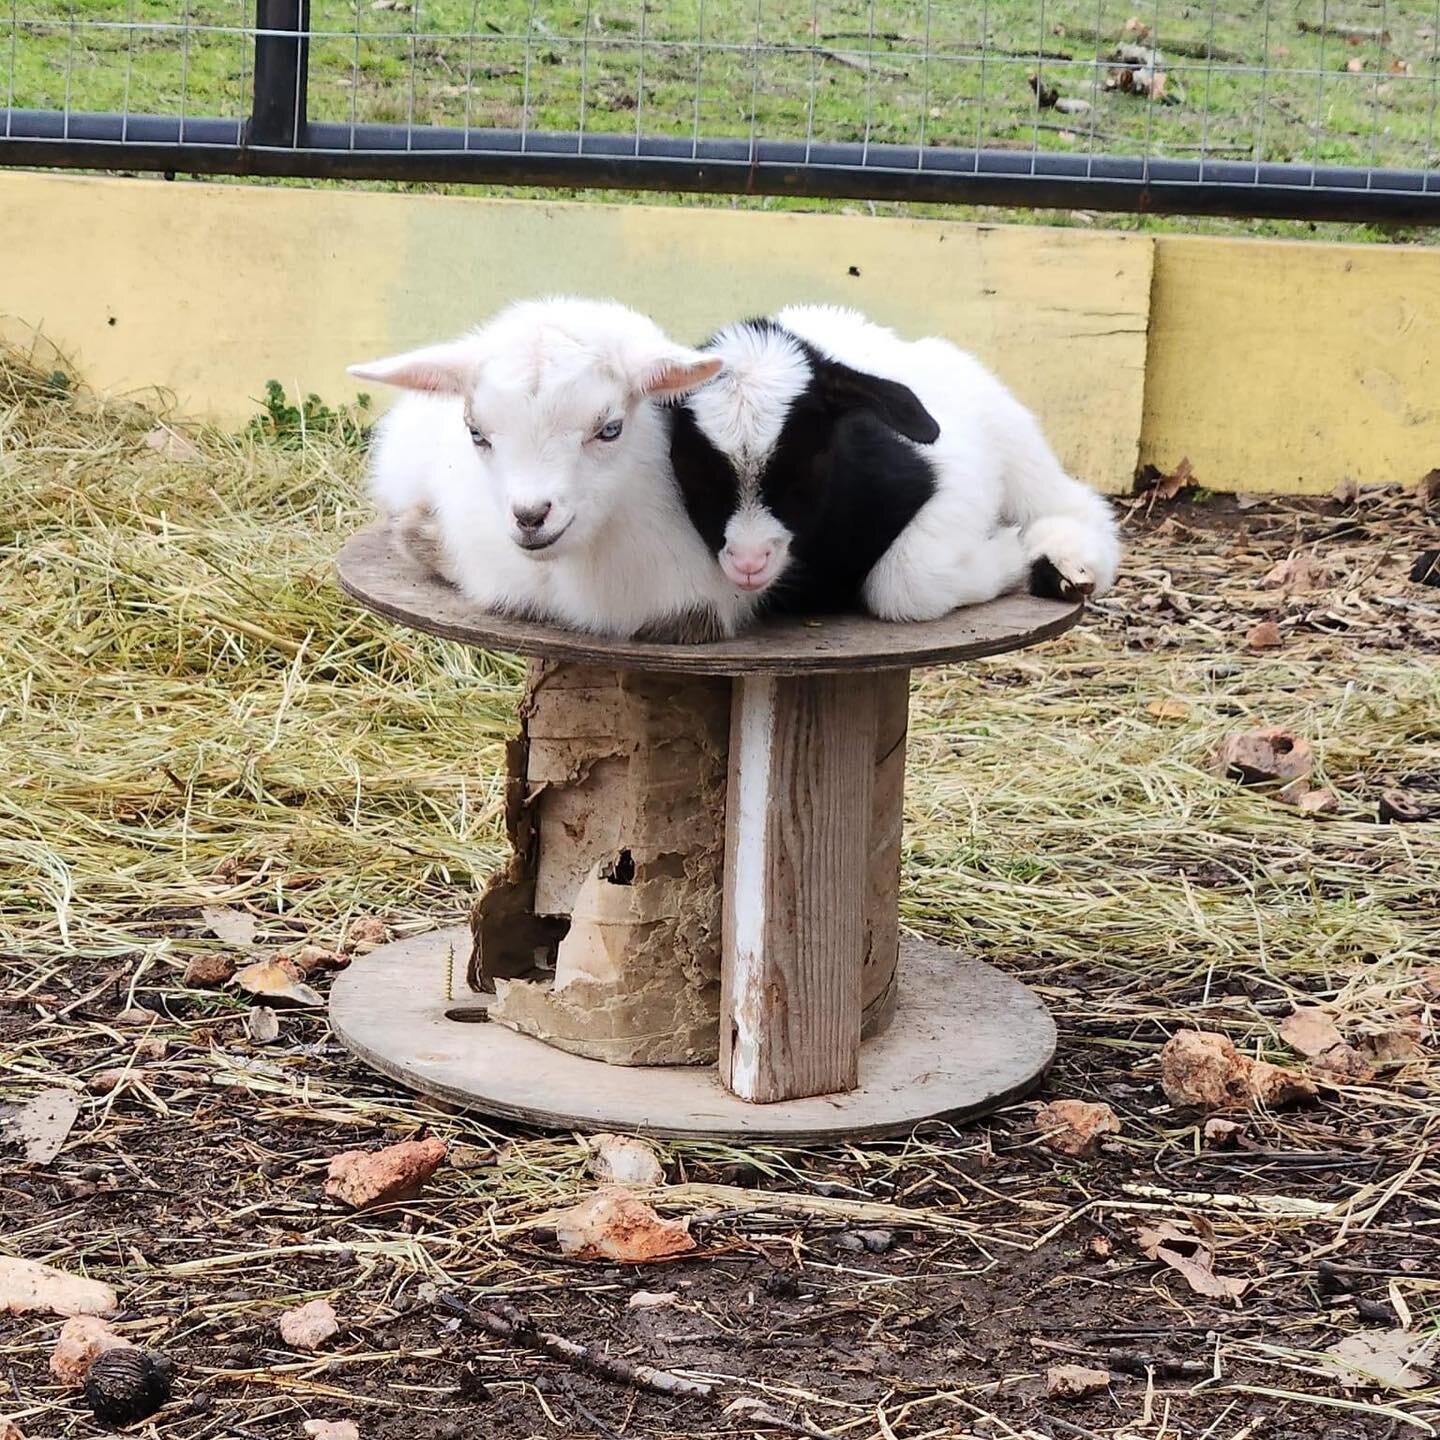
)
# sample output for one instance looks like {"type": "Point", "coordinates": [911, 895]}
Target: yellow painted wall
{"type": "Point", "coordinates": [1282, 366]}
{"type": "Point", "coordinates": [1273, 366]}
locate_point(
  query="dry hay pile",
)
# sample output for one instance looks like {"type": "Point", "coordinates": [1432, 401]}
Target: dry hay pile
{"type": "Point", "coordinates": [191, 714]}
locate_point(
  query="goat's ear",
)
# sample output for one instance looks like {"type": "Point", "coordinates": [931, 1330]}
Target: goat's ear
{"type": "Point", "coordinates": [675, 373]}
{"type": "Point", "coordinates": [897, 405]}
{"type": "Point", "coordinates": [439, 369]}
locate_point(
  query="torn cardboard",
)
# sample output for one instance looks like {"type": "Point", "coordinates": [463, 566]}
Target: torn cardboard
{"type": "Point", "coordinates": [618, 829]}
{"type": "Point", "coordinates": [601, 934]}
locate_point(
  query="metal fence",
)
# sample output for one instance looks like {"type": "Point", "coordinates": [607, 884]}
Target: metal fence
{"type": "Point", "coordinates": [1285, 108]}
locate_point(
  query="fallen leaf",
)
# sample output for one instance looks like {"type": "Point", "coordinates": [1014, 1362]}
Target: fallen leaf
{"type": "Point", "coordinates": [1345, 1064]}
{"type": "Point", "coordinates": [1301, 571]}
{"type": "Point", "coordinates": [332, 1429]}
{"type": "Point", "coordinates": [1070, 1381]}
{"type": "Point", "coordinates": [622, 1160]}
{"type": "Point", "coordinates": [1246, 501]}
{"type": "Point", "coordinates": [1075, 1127]}
{"type": "Point", "coordinates": [1264, 636]}
{"type": "Point", "coordinates": [234, 927]}
{"type": "Point", "coordinates": [83, 1339]}
{"type": "Point", "coordinates": [262, 1025]}
{"type": "Point", "coordinates": [171, 444]}
{"type": "Point", "coordinates": [1310, 1031]}
{"type": "Point", "coordinates": [9, 1430]}
{"type": "Point", "coordinates": [1397, 807]}
{"type": "Point", "coordinates": [379, 1177]}
{"type": "Point", "coordinates": [1382, 1360]}
{"type": "Point", "coordinates": [107, 1082]}
{"type": "Point", "coordinates": [1182, 477]}
{"type": "Point", "coordinates": [310, 958]}
{"type": "Point", "coordinates": [308, 1327]}
{"type": "Point", "coordinates": [362, 936]}
{"type": "Point", "coordinates": [652, 1299]}
{"type": "Point", "coordinates": [614, 1225]}
{"type": "Point", "coordinates": [1427, 491]}
{"type": "Point", "coordinates": [40, 1126]}
{"type": "Point", "coordinates": [1168, 709]}
{"type": "Point", "coordinates": [1191, 1259]}
{"type": "Point", "coordinates": [1223, 1133]}
{"type": "Point", "coordinates": [26, 1285]}
{"type": "Point", "coordinates": [276, 980]}
{"type": "Point", "coordinates": [1267, 757]}
{"type": "Point", "coordinates": [209, 972]}
{"type": "Point", "coordinates": [1273, 1086]}
{"type": "Point", "coordinates": [1394, 1047]}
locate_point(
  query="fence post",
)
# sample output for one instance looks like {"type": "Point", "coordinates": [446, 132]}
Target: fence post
{"type": "Point", "coordinates": [282, 66]}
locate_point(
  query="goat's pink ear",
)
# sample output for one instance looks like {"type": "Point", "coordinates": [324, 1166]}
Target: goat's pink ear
{"type": "Point", "coordinates": [439, 369]}
{"type": "Point", "coordinates": [675, 375]}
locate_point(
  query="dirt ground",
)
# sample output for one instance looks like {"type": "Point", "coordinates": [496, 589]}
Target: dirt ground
{"type": "Point", "coordinates": [195, 1184]}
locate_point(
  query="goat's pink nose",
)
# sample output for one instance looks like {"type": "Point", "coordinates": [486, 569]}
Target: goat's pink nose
{"type": "Point", "coordinates": [751, 560]}
{"type": "Point", "coordinates": [530, 517]}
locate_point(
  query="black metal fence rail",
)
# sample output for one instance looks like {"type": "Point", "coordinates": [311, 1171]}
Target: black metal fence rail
{"type": "Point", "coordinates": [278, 139]}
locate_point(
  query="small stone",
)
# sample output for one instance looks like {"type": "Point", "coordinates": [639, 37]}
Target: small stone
{"type": "Point", "coordinates": [108, 1081]}
{"type": "Point", "coordinates": [209, 972]}
{"type": "Point", "coordinates": [359, 1178]}
{"type": "Point", "coordinates": [622, 1160]}
{"type": "Point", "coordinates": [1075, 1127]}
{"type": "Point", "coordinates": [332, 1430]}
{"type": "Point", "coordinates": [1072, 1381]}
{"type": "Point", "coordinates": [136, 1016]}
{"type": "Point", "coordinates": [850, 1242]}
{"type": "Point", "coordinates": [877, 1242]}
{"type": "Point", "coordinates": [652, 1299]}
{"type": "Point", "coordinates": [1319, 802]}
{"type": "Point", "coordinates": [83, 1339]}
{"type": "Point", "coordinates": [262, 1025]}
{"type": "Point", "coordinates": [1264, 636]}
{"type": "Point", "coordinates": [308, 1327]}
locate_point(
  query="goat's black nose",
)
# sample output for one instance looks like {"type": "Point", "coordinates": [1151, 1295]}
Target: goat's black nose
{"type": "Point", "coordinates": [530, 517]}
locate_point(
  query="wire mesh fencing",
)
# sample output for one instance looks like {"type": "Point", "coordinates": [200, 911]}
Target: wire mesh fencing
{"type": "Point", "coordinates": [1224, 106]}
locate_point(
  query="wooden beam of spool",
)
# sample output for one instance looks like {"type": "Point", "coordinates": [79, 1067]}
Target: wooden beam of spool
{"type": "Point", "coordinates": [798, 893]}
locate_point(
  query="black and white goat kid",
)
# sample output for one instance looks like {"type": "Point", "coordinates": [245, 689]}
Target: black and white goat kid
{"type": "Point", "coordinates": [832, 463]}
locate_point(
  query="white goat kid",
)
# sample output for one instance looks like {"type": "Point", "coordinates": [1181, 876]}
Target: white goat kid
{"type": "Point", "coordinates": [531, 467]}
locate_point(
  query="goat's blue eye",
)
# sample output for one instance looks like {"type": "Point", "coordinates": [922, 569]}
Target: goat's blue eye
{"type": "Point", "coordinates": [610, 430]}
{"type": "Point", "coordinates": [479, 437]}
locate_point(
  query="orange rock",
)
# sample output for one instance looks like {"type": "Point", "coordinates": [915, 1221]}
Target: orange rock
{"type": "Point", "coordinates": [1265, 636]}
{"type": "Point", "coordinates": [82, 1341]}
{"type": "Point", "coordinates": [209, 972]}
{"type": "Point", "coordinates": [613, 1224]}
{"type": "Point", "coordinates": [1075, 1127]}
{"type": "Point", "coordinates": [1206, 1072]}
{"type": "Point", "coordinates": [359, 1178]}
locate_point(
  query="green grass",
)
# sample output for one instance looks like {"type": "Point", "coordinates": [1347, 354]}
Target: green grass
{"type": "Point", "coordinates": [788, 70]}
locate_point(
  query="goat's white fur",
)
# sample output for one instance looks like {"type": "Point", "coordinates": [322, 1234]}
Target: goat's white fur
{"type": "Point", "coordinates": [1002, 500]}
{"type": "Point", "coordinates": [538, 381]}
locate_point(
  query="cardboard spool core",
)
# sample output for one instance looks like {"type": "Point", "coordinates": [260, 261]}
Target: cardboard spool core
{"type": "Point", "coordinates": [704, 869]}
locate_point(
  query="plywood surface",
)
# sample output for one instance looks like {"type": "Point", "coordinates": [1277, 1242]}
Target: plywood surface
{"type": "Point", "coordinates": [383, 577]}
{"type": "Point", "coordinates": [965, 1039]}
